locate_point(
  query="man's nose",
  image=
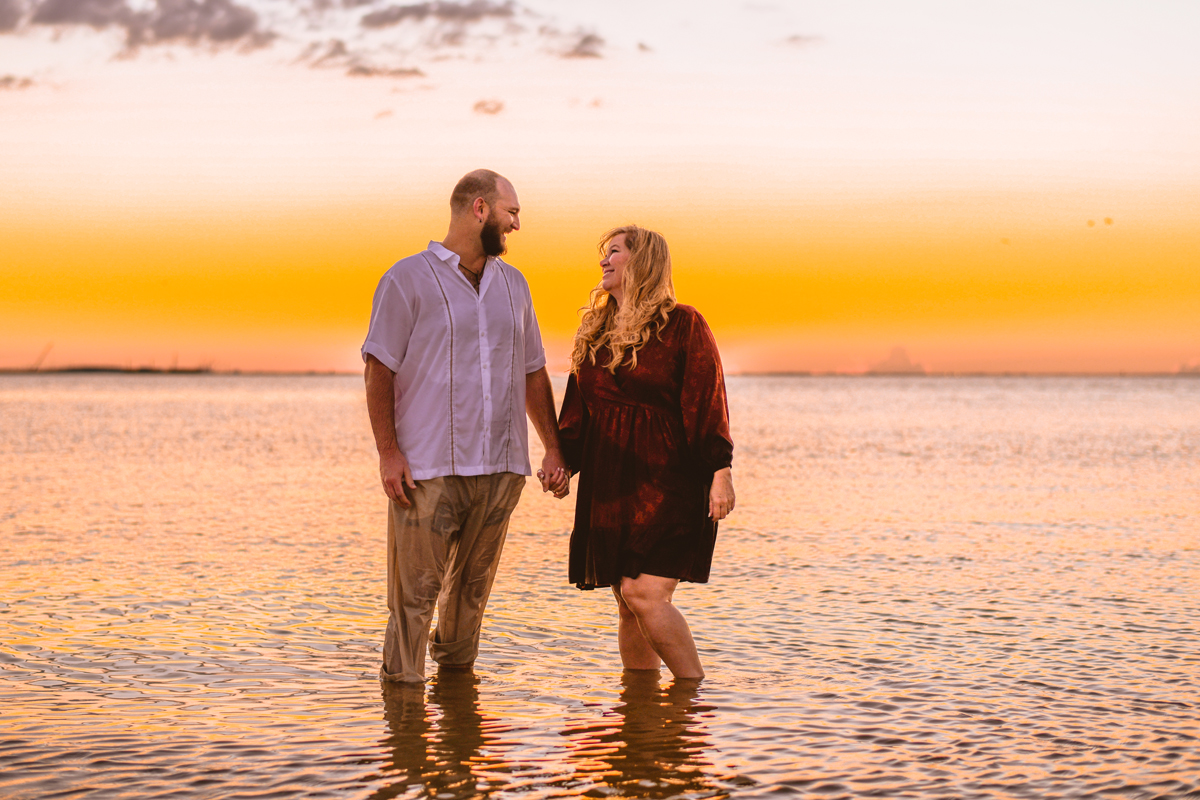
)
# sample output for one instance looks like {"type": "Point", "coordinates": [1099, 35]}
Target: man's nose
{"type": "Point", "coordinates": [516, 223]}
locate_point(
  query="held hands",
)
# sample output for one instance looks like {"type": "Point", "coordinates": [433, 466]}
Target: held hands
{"type": "Point", "coordinates": [720, 498]}
{"type": "Point", "coordinates": [554, 475]}
{"type": "Point", "coordinates": [396, 474]}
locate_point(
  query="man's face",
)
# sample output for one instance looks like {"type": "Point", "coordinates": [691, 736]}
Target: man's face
{"type": "Point", "coordinates": [503, 218]}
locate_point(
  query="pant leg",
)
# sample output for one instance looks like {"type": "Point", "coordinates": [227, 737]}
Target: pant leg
{"type": "Point", "coordinates": [418, 548]}
{"type": "Point", "coordinates": [472, 566]}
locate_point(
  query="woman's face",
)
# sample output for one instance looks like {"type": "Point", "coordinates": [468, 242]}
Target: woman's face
{"type": "Point", "coordinates": [613, 265]}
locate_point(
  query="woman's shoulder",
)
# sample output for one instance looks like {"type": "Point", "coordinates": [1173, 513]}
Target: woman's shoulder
{"type": "Point", "coordinates": [687, 316]}
{"type": "Point", "coordinates": [685, 313]}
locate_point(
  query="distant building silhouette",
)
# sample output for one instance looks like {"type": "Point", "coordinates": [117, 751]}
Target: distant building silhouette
{"type": "Point", "coordinates": [898, 363]}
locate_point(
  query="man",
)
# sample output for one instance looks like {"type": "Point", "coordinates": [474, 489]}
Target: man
{"type": "Point", "coordinates": [454, 361]}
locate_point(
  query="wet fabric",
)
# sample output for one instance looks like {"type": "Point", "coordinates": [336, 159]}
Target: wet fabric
{"type": "Point", "coordinates": [443, 550]}
{"type": "Point", "coordinates": [646, 442]}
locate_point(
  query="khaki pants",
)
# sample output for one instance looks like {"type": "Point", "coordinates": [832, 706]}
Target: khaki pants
{"type": "Point", "coordinates": [443, 549]}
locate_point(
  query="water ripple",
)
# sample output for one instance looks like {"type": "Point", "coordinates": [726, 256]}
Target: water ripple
{"type": "Point", "coordinates": [961, 589]}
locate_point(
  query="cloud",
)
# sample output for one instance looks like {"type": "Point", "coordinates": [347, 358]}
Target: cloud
{"type": "Point", "coordinates": [369, 71]}
{"type": "Point", "coordinates": [363, 38]}
{"type": "Point", "coordinates": [802, 40]}
{"type": "Point", "coordinates": [393, 15]}
{"type": "Point", "coordinates": [11, 12]}
{"type": "Point", "coordinates": [96, 13]}
{"type": "Point", "coordinates": [588, 46]}
{"type": "Point", "coordinates": [474, 11]}
{"type": "Point", "coordinates": [215, 20]}
{"type": "Point", "coordinates": [490, 107]}
{"type": "Point", "coordinates": [193, 21]}
{"type": "Point", "coordinates": [14, 82]}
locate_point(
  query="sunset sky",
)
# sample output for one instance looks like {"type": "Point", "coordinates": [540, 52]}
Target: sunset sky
{"type": "Point", "coordinates": [993, 187]}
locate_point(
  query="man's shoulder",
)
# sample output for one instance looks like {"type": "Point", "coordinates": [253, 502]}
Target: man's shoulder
{"type": "Point", "coordinates": [409, 264]}
{"type": "Point", "coordinates": [411, 273]}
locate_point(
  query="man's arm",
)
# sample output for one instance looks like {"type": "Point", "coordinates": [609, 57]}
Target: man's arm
{"type": "Point", "coordinates": [539, 405]}
{"type": "Point", "coordinates": [381, 407]}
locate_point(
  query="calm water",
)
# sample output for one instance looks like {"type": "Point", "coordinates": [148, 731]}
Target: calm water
{"type": "Point", "coordinates": [931, 588]}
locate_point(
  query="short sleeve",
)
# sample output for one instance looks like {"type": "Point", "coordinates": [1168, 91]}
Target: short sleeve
{"type": "Point", "coordinates": [703, 400]}
{"type": "Point", "coordinates": [391, 324]}
{"type": "Point", "coordinates": [535, 353]}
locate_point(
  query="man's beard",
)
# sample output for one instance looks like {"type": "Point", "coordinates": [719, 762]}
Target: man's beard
{"type": "Point", "coordinates": [491, 238]}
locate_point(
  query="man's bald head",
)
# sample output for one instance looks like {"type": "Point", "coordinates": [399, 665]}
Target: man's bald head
{"type": "Point", "coordinates": [475, 184]}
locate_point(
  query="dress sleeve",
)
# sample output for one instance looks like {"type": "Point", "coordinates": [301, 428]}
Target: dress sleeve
{"type": "Point", "coordinates": [702, 399]}
{"type": "Point", "coordinates": [572, 422]}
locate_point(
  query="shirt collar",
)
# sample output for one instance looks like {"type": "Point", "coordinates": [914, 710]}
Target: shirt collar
{"type": "Point", "coordinates": [445, 254]}
{"type": "Point", "coordinates": [450, 257]}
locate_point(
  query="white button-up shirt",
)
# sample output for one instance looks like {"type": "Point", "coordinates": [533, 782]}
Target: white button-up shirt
{"type": "Point", "coordinates": [460, 359]}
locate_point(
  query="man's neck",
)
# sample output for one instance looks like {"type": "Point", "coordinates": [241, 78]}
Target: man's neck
{"type": "Point", "coordinates": [467, 248]}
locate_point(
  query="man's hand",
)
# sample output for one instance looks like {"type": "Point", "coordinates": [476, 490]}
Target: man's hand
{"type": "Point", "coordinates": [394, 471]}
{"type": "Point", "coordinates": [539, 404]}
{"type": "Point", "coordinates": [395, 474]}
{"type": "Point", "coordinates": [554, 475]}
{"type": "Point", "coordinates": [720, 498]}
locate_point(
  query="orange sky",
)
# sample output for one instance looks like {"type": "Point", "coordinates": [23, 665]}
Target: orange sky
{"type": "Point", "coordinates": [828, 195]}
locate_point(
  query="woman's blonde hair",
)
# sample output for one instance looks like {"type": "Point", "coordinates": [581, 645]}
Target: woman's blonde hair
{"type": "Point", "coordinates": [648, 297]}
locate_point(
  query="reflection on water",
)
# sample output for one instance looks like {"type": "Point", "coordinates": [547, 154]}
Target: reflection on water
{"type": "Point", "coordinates": [652, 744]}
{"type": "Point", "coordinates": [445, 758]}
{"type": "Point", "coordinates": [968, 588]}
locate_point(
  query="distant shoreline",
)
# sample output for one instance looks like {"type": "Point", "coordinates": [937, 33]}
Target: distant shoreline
{"type": "Point", "coordinates": [208, 371]}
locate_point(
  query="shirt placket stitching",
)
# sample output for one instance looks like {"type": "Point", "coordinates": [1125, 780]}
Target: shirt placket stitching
{"type": "Point", "coordinates": [450, 321]}
{"type": "Point", "coordinates": [485, 374]}
{"type": "Point", "coordinates": [512, 379]}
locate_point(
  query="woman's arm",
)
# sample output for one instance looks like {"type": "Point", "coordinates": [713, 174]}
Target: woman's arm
{"type": "Point", "coordinates": [720, 498]}
{"type": "Point", "coordinates": [572, 422]}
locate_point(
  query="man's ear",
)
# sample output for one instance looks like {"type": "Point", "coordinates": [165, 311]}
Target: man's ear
{"type": "Point", "coordinates": [480, 209]}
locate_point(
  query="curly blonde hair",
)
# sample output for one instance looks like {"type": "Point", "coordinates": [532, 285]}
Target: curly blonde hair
{"type": "Point", "coordinates": [649, 296]}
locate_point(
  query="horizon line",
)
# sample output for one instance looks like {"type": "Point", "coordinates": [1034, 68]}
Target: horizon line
{"type": "Point", "coordinates": [113, 370]}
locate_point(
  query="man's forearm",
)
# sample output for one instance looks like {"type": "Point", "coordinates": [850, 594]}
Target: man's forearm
{"type": "Point", "coordinates": [539, 405]}
{"type": "Point", "coordinates": [381, 405]}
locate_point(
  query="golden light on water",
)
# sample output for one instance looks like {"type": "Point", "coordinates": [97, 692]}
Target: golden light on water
{"type": "Point", "coordinates": [980, 582]}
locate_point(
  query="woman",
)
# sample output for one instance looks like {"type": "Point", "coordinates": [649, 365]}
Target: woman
{"type": "Point", "coordinates": [645, 423]}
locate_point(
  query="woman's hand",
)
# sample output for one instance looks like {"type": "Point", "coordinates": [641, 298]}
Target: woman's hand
{"type": "Point", "coordinates": [554, 474]}
{"type": "Point", "coordinates": [720, 498]}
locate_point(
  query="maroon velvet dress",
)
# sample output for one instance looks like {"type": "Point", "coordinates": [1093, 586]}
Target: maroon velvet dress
{"type": "Point", "coordinates": [646, 442]}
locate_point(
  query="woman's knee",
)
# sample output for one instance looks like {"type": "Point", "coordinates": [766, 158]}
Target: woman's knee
{"type": "Point", "coordinates": [622, 607]}
{"type": "Point", "coordinates": [641, 596]}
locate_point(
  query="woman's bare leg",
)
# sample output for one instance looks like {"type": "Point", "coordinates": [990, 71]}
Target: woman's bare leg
{"type": "Point", "coordinates": [661, 624]}
{"type": "Point", "coordinates": [636, 652]}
